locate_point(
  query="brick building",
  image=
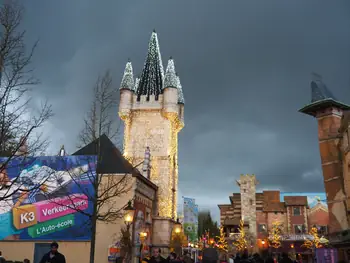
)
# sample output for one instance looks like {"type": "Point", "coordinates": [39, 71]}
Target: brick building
{"type": "Point", "coordinates": [293, 211]}
{"type": "Point", "coordinates": [333, 118]}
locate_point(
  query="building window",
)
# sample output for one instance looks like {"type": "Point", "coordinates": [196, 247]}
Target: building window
{"type": "Point", "coordinates": [298, 229]}
{"type": "Point", "coordinates": [323, 230]}
{"type": "Point", "coordinates": [296, 211]}
{"type": "Point", "coordinates": [262, 228]}
{"type": "Point", "coordinates": [251, 202]}
{"type": "Point", "coordinates": [244, 190]}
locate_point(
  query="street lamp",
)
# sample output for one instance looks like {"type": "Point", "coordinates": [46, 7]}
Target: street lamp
{"type": "Point", "coordinates": [177, 227]}
{"type": "Point", "coordinates": [129, 215]}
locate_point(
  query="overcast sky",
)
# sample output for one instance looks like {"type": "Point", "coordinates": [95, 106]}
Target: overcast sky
{"type": "Point", "coordinates": [245, 70]}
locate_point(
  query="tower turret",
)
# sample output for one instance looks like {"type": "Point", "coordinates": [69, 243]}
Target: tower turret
{"type": "Point", "coordinates": [170, 97]}
{"type": "Point", "coordinates": [329, 111]}
{"type": "Point", "coordinates": [127, 87]}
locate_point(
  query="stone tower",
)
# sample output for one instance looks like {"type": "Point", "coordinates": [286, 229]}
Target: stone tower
{"type": "Point", "coordinates": [329, 111]}
{"type": "Point", "coordinates": [152, 108]}
{"type": "Point", "coordinates": [247, 184]}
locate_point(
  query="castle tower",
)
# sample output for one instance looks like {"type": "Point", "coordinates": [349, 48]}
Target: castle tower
{"type": "Point", "coordinates": [329, 111]}
{"type": "Point", "coordinates": [152, 108]}
{"type": "Point", "coordinates": [247, 184]}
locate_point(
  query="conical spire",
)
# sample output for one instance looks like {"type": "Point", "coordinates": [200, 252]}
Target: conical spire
{"type": "Point", "coordinates": [170, 78]}
{"type": "Point", "coordinates": [151, 80]}
{"type": "Point", "coordinates": [128, 77]}
{"type": "Point", "coordinates": [319, 90]}
{"type": "Point", "coordinates": [321, 98]}
{"type": "Point", "coordinates": [136, 86]}
{"type": "Point", "coordinates": [181, 99]}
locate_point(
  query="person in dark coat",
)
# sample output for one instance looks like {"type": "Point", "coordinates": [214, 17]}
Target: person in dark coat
{"type": "Point", "coordinates": [285, 258]}
{"type": "Point", "coordinates": [157, 258]}
{"type": "Point", "coordinates": [53, 256]}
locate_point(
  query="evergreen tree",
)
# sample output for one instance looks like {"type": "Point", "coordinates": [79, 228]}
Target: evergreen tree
{"type": "Point", "coordinates": [206, 224]}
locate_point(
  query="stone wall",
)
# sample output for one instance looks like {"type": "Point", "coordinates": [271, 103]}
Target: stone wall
{"type": "Point", "coordinates": [247, 185]}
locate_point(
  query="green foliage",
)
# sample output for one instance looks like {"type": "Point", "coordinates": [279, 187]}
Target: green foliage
{"type": "Point", "coordinates": [206, 223]}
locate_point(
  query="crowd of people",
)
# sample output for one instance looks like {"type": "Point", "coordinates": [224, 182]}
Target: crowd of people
{"type": "Point", "coordinates": [210, 255]}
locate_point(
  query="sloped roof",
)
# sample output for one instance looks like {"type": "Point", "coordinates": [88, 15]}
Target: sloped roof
{"type": "Point", "coordinates": [295, 200]}
{"type": "Point", "coordinates": [111, 159]}
{"type": "Point", "coordinates": [274, 207]}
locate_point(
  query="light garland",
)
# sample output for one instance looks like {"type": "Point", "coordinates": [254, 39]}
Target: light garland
{"type": "Point", "coordinates": [128, 78]}
{"type": "Point", "coordinates": [170, 79]}
{"type": "Point", "coordinates": [181, 99]}
{"type": "Point", "coordinates": [315, 242]}
{"type": "Point", "coordinates": [221, 243]}
{"type": "Point", "coordinates": [151, 80]}
{"type": "Point", "coordinates": [164, 171]}
{"type": "Point", "coordinates": [275, 235]}
{"type": "Point", "coordinates": [241, 243]}
{"type": "Point", "coordinates": [136, 86]}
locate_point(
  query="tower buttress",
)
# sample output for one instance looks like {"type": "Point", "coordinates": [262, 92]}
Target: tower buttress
{"type": "Point", "coordinates": [153, 121]}
{"type": "Point", "coordinates": [329, 111]}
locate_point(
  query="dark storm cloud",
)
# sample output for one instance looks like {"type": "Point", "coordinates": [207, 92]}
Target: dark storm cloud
{"type": "Point", "coordinates": [245, 70]}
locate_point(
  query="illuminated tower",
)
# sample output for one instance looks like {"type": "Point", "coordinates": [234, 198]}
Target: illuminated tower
{"type": "Point", "coordinates": [329, 111]}
{"type": "Point", "coordinates": [152, 108]}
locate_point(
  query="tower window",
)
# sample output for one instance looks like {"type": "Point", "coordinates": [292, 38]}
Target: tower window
{"type": "Point", "coordinates": [251, 201]}
{"type": "Point", "coordinates": [244, 190]}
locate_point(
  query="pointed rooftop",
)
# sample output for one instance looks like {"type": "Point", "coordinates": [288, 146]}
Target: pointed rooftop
{"type": "Point", "coordinates": [321, 98]}
{"type": "Point", "coordinates": [136, 86]}
{"type": "Point", "coordinates": [128, 77]}
{"type": "Point", "coordinates": [151, 80]}
{"type": "Point", "coordinates": [181, 99]}
{"type": "Point", "coordinates": [170, 78]}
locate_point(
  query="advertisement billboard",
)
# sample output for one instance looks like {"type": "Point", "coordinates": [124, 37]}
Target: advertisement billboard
{"type": "Point", "coordinates": [190, 221]}
{"type": "Point", "coordinates": [47, 198]}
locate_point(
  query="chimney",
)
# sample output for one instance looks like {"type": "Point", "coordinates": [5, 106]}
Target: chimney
{"type": "Point", "coordinates": [146, 168]}
{"type": "Point", "coordinates": [62, 151]}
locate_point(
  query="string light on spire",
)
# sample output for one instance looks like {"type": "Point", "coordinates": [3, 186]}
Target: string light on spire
{"type": "Point", "coordinates": [151, 80]}
{"type": "Point", "coordinates": [170, 79]}
{"type": "Point", "coordinates": [181, 99]}
{"type": "Point", "coordinates": [128, 77]}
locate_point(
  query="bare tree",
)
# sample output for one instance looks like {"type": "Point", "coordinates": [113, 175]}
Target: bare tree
{"type": "Point", "coordinates": [102, 118]}
{"type": "Point", "coordinates": [101, 124]}
{"type": "Point", "coordinates": [19, 122]}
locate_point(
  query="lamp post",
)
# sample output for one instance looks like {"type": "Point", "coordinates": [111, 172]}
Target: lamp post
{"type": "Point", "coordinates": [129, 219]}
{"type": "Point", "coordinates": [129, 215]}
{"type": "Point", "coordinates": [177, 228]}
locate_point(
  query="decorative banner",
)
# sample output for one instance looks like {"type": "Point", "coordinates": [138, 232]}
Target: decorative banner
{"type": "Point", "coordinates": [326, 255]}
{"type": "Point", "coordinates": [53, 204]}
{"type": "Point", "coordinates": [190, 221]}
